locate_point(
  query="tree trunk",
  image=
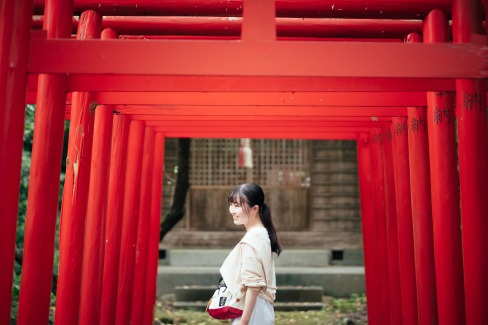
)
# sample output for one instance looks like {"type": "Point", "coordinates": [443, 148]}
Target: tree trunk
{"type": "Point", "coordinates": [177, 209]}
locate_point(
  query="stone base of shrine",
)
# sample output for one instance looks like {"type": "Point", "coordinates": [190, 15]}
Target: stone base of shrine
{"type": "Point", "coordinates": [180, 238]}
{"type": "Point", "coordinates": [339, 273]}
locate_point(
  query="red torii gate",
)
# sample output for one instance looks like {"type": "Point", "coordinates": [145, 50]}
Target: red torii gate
{"type": "Point", "coordinates": [264, 86]}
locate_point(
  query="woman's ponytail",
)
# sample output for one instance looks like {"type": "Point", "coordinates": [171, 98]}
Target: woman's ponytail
{"type": "Point", "coordinates": [265, 216]}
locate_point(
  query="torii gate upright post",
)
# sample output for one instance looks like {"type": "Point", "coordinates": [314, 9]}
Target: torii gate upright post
{"type": "Point", "coordinates": [140, 268]}
{"type": "Point", "coordinates": [15, 22]}
{"type": "Point", "coordinates": [473, 167]}
{"type": "Point", "coordinates": [368, 227]}
{"type": "Point", "coordinates": [409, 290]}
{"type": "Point", "coordinates": [93, 250]}
{"type": "Point", "coordinates": [378, 181]}
{"type": "Point", "coordinates": [392, 230]}
{"type": "Point", "coordinates": [97, 213]}
{"type": "Point", "coordinates": [128, 239]}
{"type": "Point", "coordinates": [446, 220]}
{"type": "Point", "coordinates": [75, 192]}
{"type": "Point", "coordinates": [153, 250]}
{"type": "Point", "coordinates": [113, 229]}
{"type": "Point", "coordinates": [42, 207]}
{"type": "Point", "coordinates": [418, 148]}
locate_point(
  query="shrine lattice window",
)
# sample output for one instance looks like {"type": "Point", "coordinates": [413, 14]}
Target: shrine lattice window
{"type": "Point", "coordinates": [215, 162]}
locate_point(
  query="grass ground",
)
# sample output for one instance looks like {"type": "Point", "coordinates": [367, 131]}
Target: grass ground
{"type": "Point", "coordinates": [344, 311]}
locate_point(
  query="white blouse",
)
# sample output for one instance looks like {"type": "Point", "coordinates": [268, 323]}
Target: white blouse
{"type": "Point", "coordinates": [251, 265]}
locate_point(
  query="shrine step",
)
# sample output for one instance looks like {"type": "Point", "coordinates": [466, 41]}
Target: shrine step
{"type": "Point", "coordinates": [284, 293]}
{"type": "Point", "coordinates": [288, 298]}
{"type": "Point", "coordinates": [336, 281]}
{"type": "Point", "coordinates": [215, 257]}
{"type": "Point", "coordinates": [278, 306]}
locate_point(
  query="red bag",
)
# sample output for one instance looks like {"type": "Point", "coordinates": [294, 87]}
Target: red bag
{"type": "Point", "coordinates": [223, 305]}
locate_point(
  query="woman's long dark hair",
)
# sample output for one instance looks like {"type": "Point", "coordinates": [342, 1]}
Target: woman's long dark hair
{"type": "Point", "coordinates": [249, 195]}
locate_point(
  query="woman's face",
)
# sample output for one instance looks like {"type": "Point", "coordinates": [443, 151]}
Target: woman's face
{"type": "Point", "coordinates": [239, 216]}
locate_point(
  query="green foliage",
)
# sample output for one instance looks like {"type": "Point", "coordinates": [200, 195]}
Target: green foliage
{"type": "Point", "coordinates": [24, 178]}
{"type": "Point", "coordinates": [15, 295]}
{"type": "Point", "coordinates": [345, 305]}
{"type": "Point", "coordinates": [336, 311]}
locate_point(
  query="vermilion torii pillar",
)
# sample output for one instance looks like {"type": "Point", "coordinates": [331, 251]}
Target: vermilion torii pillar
{"type": "Point", "coordinates": [42, 204]}
{"type": "Point", "coordinates": [392, 230]}
{"type": "Point", "coordinates": [97, 211]}
{"type": "Point", "coordinates": [75, 192]}
{"type": "Point", "coordinates": [443, 178]}
{"type": "Point", "coordinates": [368, 227]}
{"type": "Point", "coordinates": [91, 285]}
{"type": "Point", "coordinates": [143, 233]}
{"type": "Point", "coordinates": [421, 208]}
{"type": "Point", "coordinates": [409, 290]}
{"type": "Point", "coordinates": [130, 222]}
{"type": "Point", "coordinates": [421, 211]}
{"type": "Point", "coordinates": [473, 167]}
{"type": "Point", "coordinates": [378, 188]}
{"type": "Point", "coordinates": [95, 235]}
{"type": "Point", "coordinates": [155, 224]}
{"type": "Point", "coordinates": [15, 22]}
{"type": "Point", "coordinates": [120, 136]}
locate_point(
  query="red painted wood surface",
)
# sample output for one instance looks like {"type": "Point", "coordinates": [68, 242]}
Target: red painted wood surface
{"type": "Point", "coordinates": [418, 148]}
{"type": "Point", "coordinates": [262, 111]}
{"type": "Point", "coordinates": [258, 20]}
{"type": "Point", "coordinates": [14, 44]}
{"type": "Point", "coordinates": [324, 135]}
{"type": "Point", "coordinates": [378, 188]}
{"type": "Point", "coordinates": [75, 192]}
{"type": "Point", "coordinates": [270, 124]}
{"type": "Point", "coordinates": [93, 251]}
{"type": "Point", "coordinates": [366, 189]}
{"type": "Point", "coordinates": [399, 129]}
{"type": "Point", "coordinates": [287, 129]}
{"type": "Point", "coordinates": [230, 27]}
{"type": "Point", "coordinates": [270, 58]}
{"type": "Point", "coordinates": [392, 230]}
{"type": "Point", "coordinates": [43, 191]}
{"type": "Point", "coordinates": [413, 9]}
{"type": "Point", "coordinates": [445, 210]}
{"type": "Point", "coordinates": [153, 249]}
{"type": "Point", "coordinates": [120, 135]}
{"type": "Point", "coordinates": [473, 169]}
{"type": "Point", "coordinates": [129, 222]}
{"type": "Point", "coordinates": [187, 27]}
{"type": "Point", "coordinates": [42, 204]}
{"type": "Point", "coordinates": [421, 212]}
{"type": "Point", "coordinates": [445, 213]}
{"type": "Point", "coordinates": [473, 179]}
{"type": "Point", "coordinates": [444, 188]}
{"type": "Point", "coordinates": [143, 233]}
{"type": "Point", "coordinates": [294, 120]}
{"type": "Point", "coordinates": [122, 83]}
{"type": "Point", "coordinates": [282, 99]}
{"type": "Point", "coordinates": [232, 131]}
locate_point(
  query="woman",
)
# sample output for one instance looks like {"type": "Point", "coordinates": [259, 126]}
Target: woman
{"type": "Point", "coordinates": [249, 270]}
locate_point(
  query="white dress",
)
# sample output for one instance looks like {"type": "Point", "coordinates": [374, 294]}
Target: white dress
{"type": "Point", "coordinates": [262, 314]}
